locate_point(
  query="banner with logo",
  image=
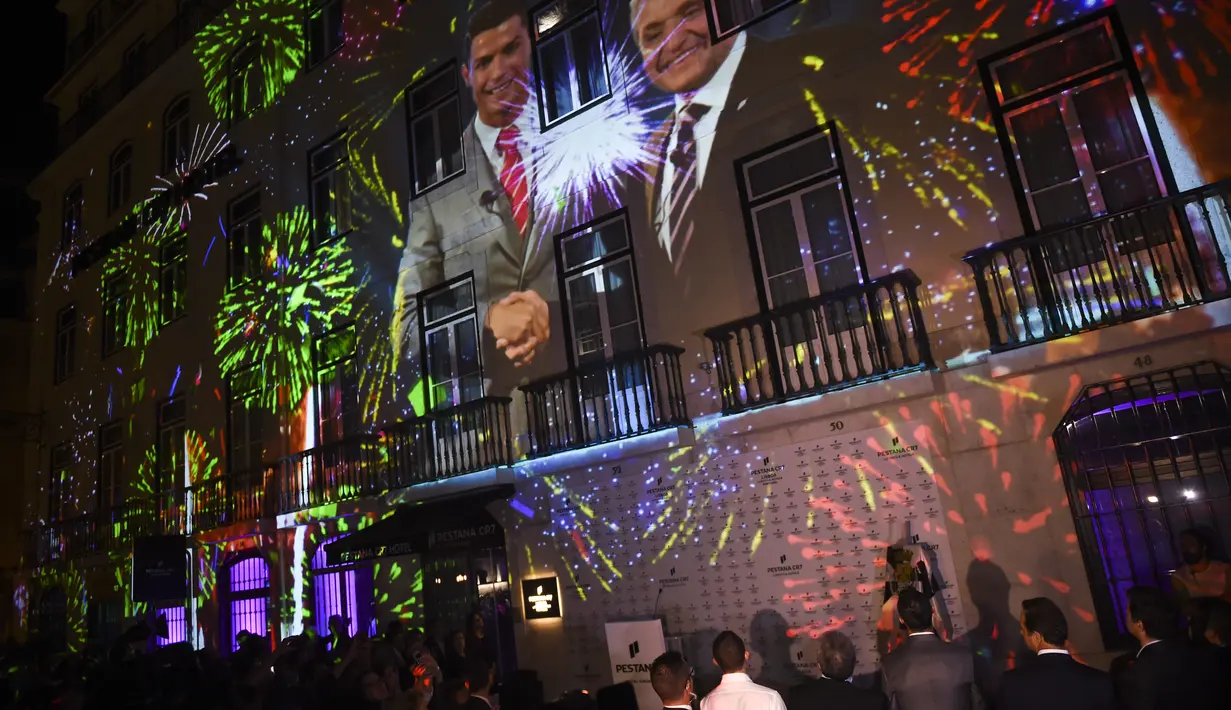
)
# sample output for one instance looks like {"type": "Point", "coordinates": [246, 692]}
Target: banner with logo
{"type": "Point", "coordinates": [632, 646]}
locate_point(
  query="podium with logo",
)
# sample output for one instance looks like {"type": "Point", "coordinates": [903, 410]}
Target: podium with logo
{"type": "Point", "coordinates": [632, 646]}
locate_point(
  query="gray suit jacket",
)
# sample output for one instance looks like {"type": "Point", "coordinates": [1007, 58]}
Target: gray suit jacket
{"type": "Point", "coordinates": [467, 224]}
{"type": "Point", "coordinates": [925, 673]}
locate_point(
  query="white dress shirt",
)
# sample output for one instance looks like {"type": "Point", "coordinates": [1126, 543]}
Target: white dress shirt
{"type": "Point", "coordinates": [1045, 651]}
{"type": "Point", "coordinates": [1145, 647]}
{"type": "Point", "coordinates": [488, 136]}
{"type": "Point", "coordinates": [714, 94]}
{"type": "Point", "coordinates": [738, 692]}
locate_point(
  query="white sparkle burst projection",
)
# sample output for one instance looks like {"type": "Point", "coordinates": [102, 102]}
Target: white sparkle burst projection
{"type": "Point", "coordinates": [577, 170]}
{"type": "Point", "coordinates": [190, 181]}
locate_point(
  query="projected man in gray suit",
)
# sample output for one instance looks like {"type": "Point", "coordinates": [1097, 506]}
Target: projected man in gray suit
{"type": "Point", "coordinates": [492, 207]}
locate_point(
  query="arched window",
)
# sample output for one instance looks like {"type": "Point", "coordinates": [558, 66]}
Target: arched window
{"type": "Point", "coordinates": [120, 181]}
{"type": "Point", "coordinates": [245, 598]}
{"type": "Point", "coordinates": [341, 590]}
{"type": "Point", "coordinates": [176, 134]}
{"type": "Point", "coordinates": [1145, 458]}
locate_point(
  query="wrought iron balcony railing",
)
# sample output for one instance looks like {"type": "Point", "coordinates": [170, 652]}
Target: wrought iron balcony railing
{"type": "Point", "coordinates": [1163, 256]}
{"type": "Point", "coordinates": [232, 498]}
{"type": "Point", "coordinates": [861, 333]}
{"type": "Point", "coordinates": [98, 102]}
{"type": "Point", "coordinates": [101, 18]}
{"type": "Point", "coordinates": [450, 442]}
{"type": "Point", "coordinates": [631, 394]}
{"type": "Point", "coordinates": [106, 531]}
{"type": "Point", "coordinates": [343, 470]}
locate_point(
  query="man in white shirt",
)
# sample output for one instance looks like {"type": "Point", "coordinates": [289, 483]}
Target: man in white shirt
{"type": "Point", "coordinates": [736, 691]}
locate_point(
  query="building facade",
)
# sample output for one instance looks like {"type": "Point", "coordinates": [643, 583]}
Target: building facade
{"type": "Point", "coordinates": [704, 310]}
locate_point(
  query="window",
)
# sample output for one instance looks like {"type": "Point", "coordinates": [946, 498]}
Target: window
{"type": "Point", "coordinates": [120, 182]}
{"type": "Point", "coordinates": [74, 206]}
{"type": "Point", "coordinates": [801, 218]}
{"type": "Point", "coordinates": [66, 344]}
{"type": "Point", "coordinates": [176, 135]}
{"type": "Point", "coordinates": [1143, 459]}
{"type": "Point", "coordinates": [247, 433]}
{"type": "Point", "coordinates": [177, 627]}
{"type": "Point", "coordinates": [132, 68]}
{"type": "Point", "coordinates": [172, 430]}
{"type": "Point", "coordinates": [115, 314]}
{"type": "Point", "coordinates": [433, 107]}
{"type": "Point", "coordinates": [325, 34]}
{"type": "Point", "coordinates": [329, 190]}
{"type": "Point", "coordinates": [601, 291]}
{"type": "Point", "coordinates": [59, 481]}
{"type": "Point", "coordinates": [1078, 137]}
{"type": "Point", "coordinates": [87, 102]}
{"type": "Point", "coordinates": [246, 82]}
{"type": "Point", "coordinates": [572, 68]}
{"type": "Point", "coordinates": [337, 378]}
{"type": "Point", "coordinates": [111, 465]}
{"type": "Point", "coordinates": [340, 590]}
{"type": "Point", "coordinates": [245, 596]}
{"type": "Point", "coordinates": [172, 276]}
{"type": "Point", "coordinates": [244, 241]}
{"type": "Point", "coordinates": [730, 16]}
{"type": "Point", "coordinates": [451, 343]}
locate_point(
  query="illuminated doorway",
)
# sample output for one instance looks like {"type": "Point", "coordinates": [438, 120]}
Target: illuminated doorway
{"type": "Point", "coordinates": [1145, 458]}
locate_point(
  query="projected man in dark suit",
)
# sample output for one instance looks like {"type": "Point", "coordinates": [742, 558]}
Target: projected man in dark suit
{"type": "Point", "coordinates": [834, 688]}
{"type": "Point", "coordinates": [925, 673]}
{"type": "Point", "coordinates": [494, 203]}
{"type": "Point", "coordinates": [1052, 679]}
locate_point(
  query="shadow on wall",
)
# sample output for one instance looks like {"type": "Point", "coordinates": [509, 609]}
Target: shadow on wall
{"type": "Point", "coordinates": [768, 639]}
{"type": "Point", "coordinates": [996, 640]}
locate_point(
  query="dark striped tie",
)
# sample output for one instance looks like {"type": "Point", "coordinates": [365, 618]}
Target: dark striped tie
{"type": "Point", "coordinates": [684, 184]}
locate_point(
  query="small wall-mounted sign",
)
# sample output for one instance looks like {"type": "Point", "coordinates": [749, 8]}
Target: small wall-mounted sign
{"type": "Point", "coordinates": [541, 598]}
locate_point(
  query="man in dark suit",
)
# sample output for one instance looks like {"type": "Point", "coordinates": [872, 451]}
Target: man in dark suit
{"type": "Point", "coordinates": [671, 678]}
{"type": "Point", "coordinates": [696, 246]}
{"type": "Point", "coordinates": [480, 676]}
{"type": "Point", "coordinates": [1167, 673]}
{"type": "Point", "coordinates": [925, 673]}
{"type": "Point", "coordinates": [1052, 679]}
{"type": "Point", "coordinates": [833, 690]}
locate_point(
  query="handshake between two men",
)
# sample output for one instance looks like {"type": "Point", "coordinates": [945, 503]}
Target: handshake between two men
{"type": "Point", "coordinates": [521, 323]}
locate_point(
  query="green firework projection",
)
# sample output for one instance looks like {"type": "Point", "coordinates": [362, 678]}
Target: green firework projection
{"type": "Point", "coordinates": [266, 322]}
{"type": "Point", "coordinates": [134, 265]}
{"type": "Point", "coordinates": [193, 460]}
{"type": "Point", "coordinates": [250, 53]}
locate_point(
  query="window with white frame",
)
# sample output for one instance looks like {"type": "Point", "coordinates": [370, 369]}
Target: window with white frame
{"type": "Point", "coordinates": [337, 378]}
{"type": "Point", "coordinates": [120, 180]}
{"type": "Point", "coordinates": [244, 238]}
{"type": "Point", "coordinates": [451, 343]}
{"type": "Point", "coordinates": [59, 479]}
{"type": "Point", "coordinates": [176, 134]}
{"type": "Point", "coordinates": [434, 110]}
{"type": "Point", "coordinates": [601, 291]}
{"type": "Point", "coordinates": [1076, 125]}
{"type": "Point", "coordinates": [172, 443]}
{"type": "Point", "coordinates": [730, 16]}
{"type": "Point", "coordinates": [115, 314]}
{"type": "Point", "coordinates": [74, 207]}
{"type": "Point", "coordinates": [247, 430]}
{"type": "Point", "coordinates": [572, 66]}
{"type": "Point", "coordinates": [110, 465]}
{"type": "Point", "coordinates": [66, 344]}
{"type": "Point", "coordinates": [325, 35]}
{"type": "Point", "coordinates": [801, 219]}
{"type": "Point", "coordinates": [245, 83]}
{"type": "Point", "coordinates": [329, 190]}
{"type": "Point", "coordinates": [172, 276]}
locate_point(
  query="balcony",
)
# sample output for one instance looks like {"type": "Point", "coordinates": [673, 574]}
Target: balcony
{"type": "Point", "coordinates": [105, 532]}
{"type": "Point", "coordinates": [99, 101]}
{"type": "Point", "coordinates": [452, 442]}
{"type": "Point", "coordinates": [101, 18]}
{"type": "Point", "coordinates": [240, 497]}
{"type": "Point", "coordinates": [859, 334]}
{"type": "Point", "coordinates": [631, 394]}
{"type": "Point", "coordinates": [344, 470]}
{"type": "Point", "coordinates": [1163, 256]}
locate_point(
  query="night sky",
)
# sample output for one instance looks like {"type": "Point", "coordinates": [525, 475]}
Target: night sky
{"type": "Point", "coordinates": [33, 58]}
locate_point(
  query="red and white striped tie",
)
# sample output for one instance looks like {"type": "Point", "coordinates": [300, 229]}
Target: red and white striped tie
{"type": "Point", "coordinates": [513, 176]}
